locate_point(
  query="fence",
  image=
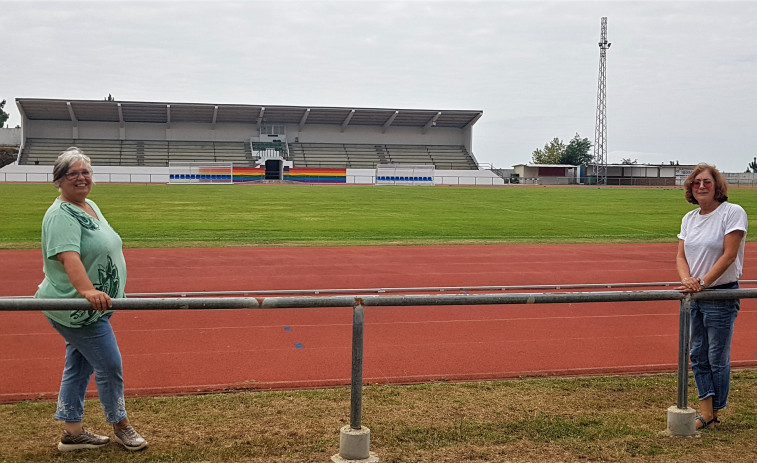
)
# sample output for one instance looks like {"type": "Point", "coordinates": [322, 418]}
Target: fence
{"type": "Point", "coordinates": [160, 176]}
{"type": "Point", "coordinates": [354, 443]}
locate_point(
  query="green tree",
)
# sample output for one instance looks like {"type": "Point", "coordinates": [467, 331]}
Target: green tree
{"type": "Point", "coordinates": [577, 152]}
{"type": "Point", "coordinates": [753, 166]}
{"type": "Point", "coordinates": [550, 154]}
{"type": "Point", "coordinates": [3, 115]}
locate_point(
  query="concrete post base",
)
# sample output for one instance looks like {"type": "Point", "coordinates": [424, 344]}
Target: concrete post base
{"type": "Point", "coordinates": [681, 422]}
{"type": "Point", "coordinates": [354, 446]}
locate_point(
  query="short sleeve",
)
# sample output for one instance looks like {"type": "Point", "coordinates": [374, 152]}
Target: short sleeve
{"type": "Point", "coordinates": [684, 226]}
{"type": "Point", "coordinates": [736, 219]}
{"type": "Point", "coordinates": [61, 233]}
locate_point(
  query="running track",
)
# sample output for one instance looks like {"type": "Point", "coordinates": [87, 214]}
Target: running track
{"type": "Point", "coordinates": [178, 352]}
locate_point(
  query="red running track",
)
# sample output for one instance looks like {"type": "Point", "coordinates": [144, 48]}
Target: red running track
{"type": "Point", "coordinates": [178, 352]}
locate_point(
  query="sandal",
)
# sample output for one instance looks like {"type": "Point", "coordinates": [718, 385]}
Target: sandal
{"type": "Point", "coordinates": [706, 424]}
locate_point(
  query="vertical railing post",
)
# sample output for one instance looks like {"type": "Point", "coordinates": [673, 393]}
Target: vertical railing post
{"type": "Point", "coordinates": [355, 439]}
{"type": "Point", "coordinates": [684, 341]}
{"type": "Point", "coordinates": [681, 418]}
{"type": "Point", "coordinates": [356, 393]}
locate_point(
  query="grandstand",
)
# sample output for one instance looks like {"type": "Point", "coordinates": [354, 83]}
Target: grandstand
{"type": "Point", "coordinates": [147, 134]}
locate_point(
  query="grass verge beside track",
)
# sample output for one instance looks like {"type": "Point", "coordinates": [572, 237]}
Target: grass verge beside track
{"type": "Point", "coordinates": [615, 418]}
{"type": "Point", "coordinates": [158, 216]}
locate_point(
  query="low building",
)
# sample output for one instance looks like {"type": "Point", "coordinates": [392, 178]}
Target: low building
{"type": "Point", "coordinates": [616, 174]}
{"type": "Point", "coordinates": [546, 174]}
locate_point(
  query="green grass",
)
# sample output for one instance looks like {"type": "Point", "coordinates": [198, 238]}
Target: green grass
{"type": "Point", "coordinates": [155, 216]}
{"type": "Point", "coordinates": [546, 420]}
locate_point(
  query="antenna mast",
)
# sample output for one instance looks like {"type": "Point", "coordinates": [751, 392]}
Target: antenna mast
{"type": "Point", "coordinates": [600, 131]}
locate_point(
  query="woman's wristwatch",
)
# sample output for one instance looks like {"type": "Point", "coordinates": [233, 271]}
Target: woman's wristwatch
{"type": "Point", "coordinates": [702, 283]}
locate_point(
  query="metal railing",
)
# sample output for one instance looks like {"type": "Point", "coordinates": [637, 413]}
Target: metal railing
{"type": "Point", "coordinates": [99, 177]}
{"type": "Point", "coordinates": [358, 303]}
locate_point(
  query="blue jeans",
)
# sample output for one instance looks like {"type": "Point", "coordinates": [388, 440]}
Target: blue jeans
{"type": "Point", "coordinates": [91, 348]}
{"type": "Point", "coordinates": [711, 332]}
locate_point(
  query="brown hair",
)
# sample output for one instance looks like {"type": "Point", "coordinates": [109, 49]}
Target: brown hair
{"type": "Point", "coordinates": [721, 186]}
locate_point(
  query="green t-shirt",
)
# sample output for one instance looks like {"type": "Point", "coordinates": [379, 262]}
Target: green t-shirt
{"type": "Point", "coordinates": [65, 227]}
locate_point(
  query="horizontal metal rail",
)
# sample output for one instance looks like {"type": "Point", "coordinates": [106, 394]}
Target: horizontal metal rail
{"type": "Point", "coordinates": [207, 303]}
{"type": "Point", "coordinates": [409, 289]}
{"type": "Point", "coordinates": [358, 303]}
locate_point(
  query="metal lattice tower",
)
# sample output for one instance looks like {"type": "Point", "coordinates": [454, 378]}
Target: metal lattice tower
{"type": "Point", "coordinates": [600, 131]}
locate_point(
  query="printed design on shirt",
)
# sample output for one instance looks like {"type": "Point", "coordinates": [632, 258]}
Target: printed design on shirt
{"type": "Point", "coordinates": [108, 282]}
{"type": "Point", "coordinates": [83, 317]}
{"type": "Point", "coordinates": [84, 219]}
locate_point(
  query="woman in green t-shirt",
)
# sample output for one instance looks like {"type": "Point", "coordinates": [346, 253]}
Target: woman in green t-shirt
{"type": "Point", "coordinates": [83, 258]}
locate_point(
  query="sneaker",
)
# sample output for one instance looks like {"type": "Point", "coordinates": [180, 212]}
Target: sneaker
{"type": "Point", "coordinates": [85, 440]}
{"type": "Point", "coordinates": [129, 438]}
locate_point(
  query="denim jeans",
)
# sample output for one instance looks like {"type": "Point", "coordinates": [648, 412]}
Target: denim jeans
{"type": "Point", "coordinates": [91, 348]}
{"type": "Point", "coordinates": [711, 332]}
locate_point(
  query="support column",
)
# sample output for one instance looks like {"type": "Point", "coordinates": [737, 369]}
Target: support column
{"type": "Point", "coordinates": [681, 418]}
{"type": "Point", "coordinates": [355, 439]}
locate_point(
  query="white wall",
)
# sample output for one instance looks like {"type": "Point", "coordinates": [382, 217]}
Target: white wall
{"type": "Point", "coordinates": [102, 174]}
{"type": "Point", "coordinates": [133, 174]}
{"type": "Point", "coordinates": [441, 177]}
{"type": "Point", "coordinates": [10, 137]}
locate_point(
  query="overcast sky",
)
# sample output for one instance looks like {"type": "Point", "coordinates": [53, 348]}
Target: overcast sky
{"type": "Point", "coordinates": [681, 75]}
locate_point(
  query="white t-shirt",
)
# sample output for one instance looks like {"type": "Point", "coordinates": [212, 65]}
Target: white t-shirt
{"type": "Point", "coordinates": [703, 236]}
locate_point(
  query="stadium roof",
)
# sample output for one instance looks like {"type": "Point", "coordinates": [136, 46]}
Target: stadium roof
{"type": "Point", "coordinates": [166, 113]}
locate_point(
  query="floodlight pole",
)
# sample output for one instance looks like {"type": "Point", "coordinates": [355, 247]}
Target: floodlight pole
{"type": "Point", "coordinates": [600, 130]}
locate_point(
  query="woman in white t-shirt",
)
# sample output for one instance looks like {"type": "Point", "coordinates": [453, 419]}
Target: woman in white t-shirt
{"type": "Point", "coordinates": [711, 256]}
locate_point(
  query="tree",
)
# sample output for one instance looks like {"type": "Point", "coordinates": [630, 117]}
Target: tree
{"type": "Point", "coordinates": [577, 152]}
{"type": "Point", "coordinates": [550, 154]}
{"type": "Point", "coordinates": [629, 161]}
{"type": "Point", "coordinates": [3, 115]}
{"type": "Point", "coordinates": [753, 166]}
{"type": "Point", "coordinates": [109, 98]}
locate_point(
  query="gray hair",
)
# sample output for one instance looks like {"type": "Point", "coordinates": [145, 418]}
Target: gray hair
{"type": "Point", "coordinates": [66, 159]}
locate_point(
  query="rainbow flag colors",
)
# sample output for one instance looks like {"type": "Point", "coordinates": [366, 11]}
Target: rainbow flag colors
{"type": "Point", "coordinates": [248, 174]}
{"type": "Point", "coordinates": [316, 175]}
{"type": "Point", "coordinates": [306, 175]}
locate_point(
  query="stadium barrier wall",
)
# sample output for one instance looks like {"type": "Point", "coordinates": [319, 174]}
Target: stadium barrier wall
{"type": "Point", "coordinates": [354, 439]}
{"type": "Point", "coordinates": [133, 174]}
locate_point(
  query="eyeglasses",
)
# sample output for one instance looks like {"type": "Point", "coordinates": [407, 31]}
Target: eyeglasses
{"type": "Point", "coordinates": [73, 175]}
{"type": "Point", "coordinates": [706, 183]}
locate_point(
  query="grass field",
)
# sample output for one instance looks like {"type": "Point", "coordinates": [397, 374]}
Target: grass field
{"type": "Point", "coordinates": [607, 419]}
{"type": "Point", "coordinates": [155, 216]}
{"type": "Point", "coordinates": [545, 420]}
